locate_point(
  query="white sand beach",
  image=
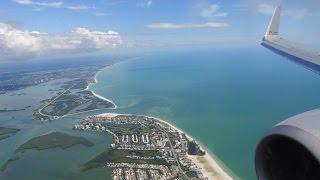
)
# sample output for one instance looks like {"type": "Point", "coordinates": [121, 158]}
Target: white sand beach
{"type": "Point", "coordinates": [210, 167]}
{"type": "Point", "coordinates": [95, 80]}
{"type": "Point", "coordinates": [105, 99]}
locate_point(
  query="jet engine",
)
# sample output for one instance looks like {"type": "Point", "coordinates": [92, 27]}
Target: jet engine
{"type": "Point", "coordinates": [291, 149]}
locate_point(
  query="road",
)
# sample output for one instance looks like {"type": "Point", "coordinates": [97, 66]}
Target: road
{"type": "Point", "coordinates": [50, 116]}
{"type": "Point", "coordinates": [175, 155]}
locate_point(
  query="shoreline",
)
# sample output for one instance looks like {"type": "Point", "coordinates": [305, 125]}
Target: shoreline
{"type": "Point", "coordinates": [210, 167]}
{"type": "Point", "coordinates": [95, 81]}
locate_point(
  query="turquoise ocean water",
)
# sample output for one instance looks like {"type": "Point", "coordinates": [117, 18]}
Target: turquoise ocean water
{"type": "Point", "coordinates": [226, 99]}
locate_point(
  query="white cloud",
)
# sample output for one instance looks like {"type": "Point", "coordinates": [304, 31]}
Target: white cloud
{"type": "Point", "coordinates": [268, 9]}
{"type": "Point", "coordinates": [145, 3]}
{"type": "Point", "coordinates": [165, 25]}
{"type": "Point", "coordinates": [79, 7]}
{"type": "Point", "coordinates": [208, 12]}
{"type": "Point", "coordinates": [40, 3]}
{"type": "Point", "coordinates": [265, 9]}
{"type": "Point", "coordinates": [211, 10]}
{"type": "Point", "coordinates": [16, 43]}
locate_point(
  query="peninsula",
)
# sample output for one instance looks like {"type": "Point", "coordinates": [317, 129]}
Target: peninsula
{"type": "Point", "coordinates": [73, 97]}
{"type": "Point", "coordinates": [149, 148]}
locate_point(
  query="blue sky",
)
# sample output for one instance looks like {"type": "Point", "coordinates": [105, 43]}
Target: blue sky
{"type": "Point", "coordinates": [148, 24]}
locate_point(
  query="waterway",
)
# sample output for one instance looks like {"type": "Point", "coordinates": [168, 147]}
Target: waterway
{"type": "Point", "coordinates": [226, 99]}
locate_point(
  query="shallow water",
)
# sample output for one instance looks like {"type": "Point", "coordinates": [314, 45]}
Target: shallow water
{"type": "Point", "coordinates": [48, 164]}
{"type": "Point", "coordinates": [226, 99]}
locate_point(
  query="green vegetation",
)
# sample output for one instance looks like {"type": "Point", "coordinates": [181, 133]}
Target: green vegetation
{"type": "Point", "coordinates": [5, 165]}
{"type": "Point", "coordinates": [94, 102]}
{"type": "Point", "coordinates": [194, 149]}
{"type": "Point", "coordinates": [63, 105]}
{"type": "Point", "coordinates": [73, 101]}
{"type": "Point", "coordinates": [124, 156]}
{"type": "Point", "coordinates": [7, 132]}
{"type": "Point", "coordinates": [53, 140]}
{"type": "Point", "coordinates": [75, 84]}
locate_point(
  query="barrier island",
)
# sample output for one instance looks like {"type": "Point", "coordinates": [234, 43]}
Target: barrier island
{"type": "Point", "coordinates": [149, 148]}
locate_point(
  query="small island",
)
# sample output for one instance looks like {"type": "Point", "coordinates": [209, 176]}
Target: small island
{"type": "Point", "coordinates": [149, 148]}
{"type": "Point", "coordinates": [11, 110]}
{"type": "Point", "coordinates": [53, 140]}
{"type": "Point", "coordinates": [47, 141]}
{"type": "Point", "coordinates": [72, 98]}
{"type": "Point", "coordinates": [7, 132]}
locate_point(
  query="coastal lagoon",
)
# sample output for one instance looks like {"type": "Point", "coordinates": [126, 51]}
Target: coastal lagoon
{"type": "Point", "coordinates": [48, 164]}
{"type": "Point", "coordinates": [226, 99]}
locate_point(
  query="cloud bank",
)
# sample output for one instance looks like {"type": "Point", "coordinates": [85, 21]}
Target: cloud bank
{"type": "Point", "coordinates": [293, 8]}
{"type": "Point", "coordinates": [165, 25]}
{"type": "Point", "coordinates": [38, 3]}
{"type": "Point", "coordinates": [16, 43]}
{"type": "Point", "coordinates": [212, 11]}
{"type": "Point", "coordinates": [268, 9]}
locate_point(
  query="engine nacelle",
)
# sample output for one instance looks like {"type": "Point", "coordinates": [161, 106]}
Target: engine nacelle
{"type": "Point", "coordinates": [291, 149]}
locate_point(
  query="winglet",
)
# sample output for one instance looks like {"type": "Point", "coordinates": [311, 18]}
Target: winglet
{"type": "Point", "coordinates": [273, 28]}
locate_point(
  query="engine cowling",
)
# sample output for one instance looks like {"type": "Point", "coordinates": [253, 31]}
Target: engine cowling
{"type": "Point", "coordinates": [291, 149]}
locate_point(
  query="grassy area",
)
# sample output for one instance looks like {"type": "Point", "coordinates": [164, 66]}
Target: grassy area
{"type": "Point", "coordinates": [120, 156]}
{"type": "Point", "coordinates": [53, 140]}
{"type": "Point", "coordinates": [7, 132]}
